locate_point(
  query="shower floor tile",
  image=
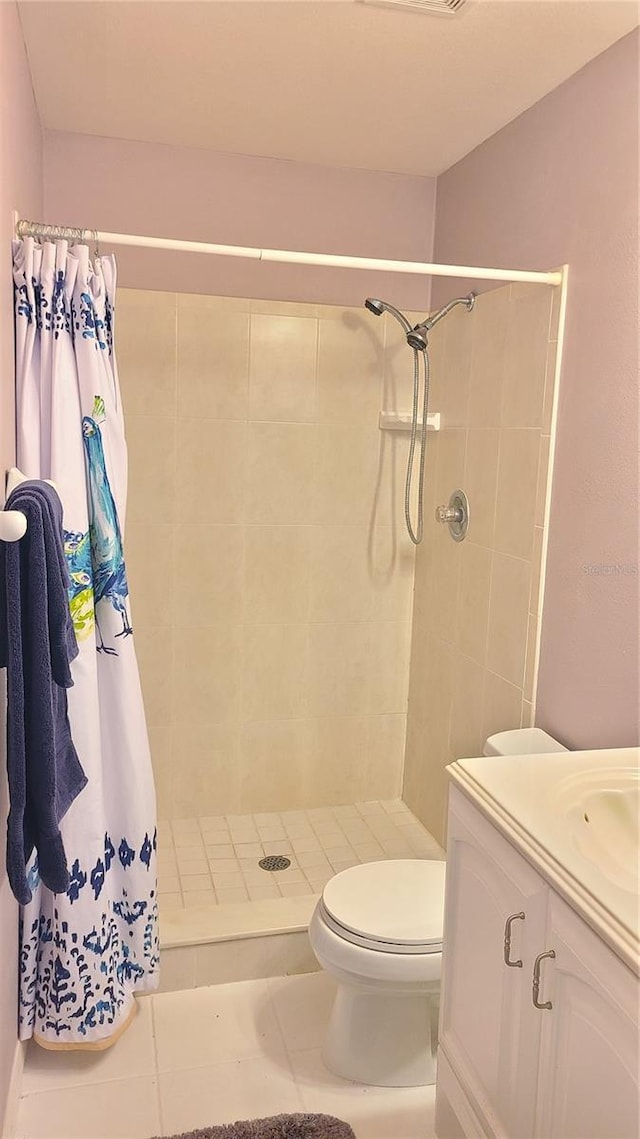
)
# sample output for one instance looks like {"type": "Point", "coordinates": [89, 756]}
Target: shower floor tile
{"type": "Point", "coordinates": [213, 861]}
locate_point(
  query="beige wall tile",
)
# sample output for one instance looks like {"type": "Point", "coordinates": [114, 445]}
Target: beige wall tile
{"type": "Point", "coordinates": [384, 757]}
{"type": "Point", "coordinates": [516, 495]}
{"type": "Point", "coordinates": [206, 779]}
{"type": "Point", "coordinates": [391, 567]}
{"type": "Point", "coordinates": [437, 366]}
{"type": "Point", "coordinates": [528, 718]}
{"type": "Point", "coordinates": [274, 672]}
{"type": "Point", "coordinates": [543, 474]}
{"type": "Point", "coordinates": [213, 360]}
{"type": "Point", "coordinates": [151, 442]}
{"type": "Point", "coordinates": [345, 476]}
{"type": "Point", "coordinates": [273, 764]}
{"type": "Point", "coordinates": [508, 617]}
{"type": "Point", "coordinates": [453, 403]}
{"type": "Point", "coordinates": [421, 583]}
{"type": "Point", "coordinates": [397, 391]}
{"type": "Point", "coordinates": [214, 304]}
{"type": "Point", "coordinates": [549, 387]}
{"type": "Point", "coordinates": [465, 730]}
{"type": "Point", "coordinates": [415, 773]}
{"type": "Point", "coordinates": [341, 587]}
{"type": "Point", "coordinates": [161, 745]}
{"type": "Point", "coordinates": [350, 369]}
{"type": "Point", "coordinates": [277, 573]}
{"type": "Point", "coordinates": [339, 669]}
{"type": "Point", "coordinates": [208, 568]}
{"type": "Point", "coordinates": [451, 463]}
{"type": "Point", "coordinates": [425, 779]}
{"type": "Point", "coordinates": [431, 681]}
{"type": "Point", "coordinates": [502, 705]}
{"type": "Point", "coordinates": [280, 469]}
{"type": "Point", "coordinates": [481, 482]}
{"type": "Point", "coordinates": [154, 650]}
{"type": "Point", "coordinates": [337, 760]}
{"type": "Point", "coordinates": [536, 568]}
{"type": "Point", "coordinates": [530, 660]}
{"type": "Point", "coordinates": [149, 561]}
{"type": "Point", "coordinates": [207, 673]}
{"type": "Point", "coordinates": [211, 470]}
{"type": "Point", "coordinates": [490, 317]}
{"type": "Point", "coordinates": [390, 650]}
{"type": "Point", "coordinates": [385, 495]}
{"type": "Point", "coordinates": [284, 308]}
{"type": "Point", "coordinates": [443, 586]}
{"type": "Point", "coordinates": [145, 326]}
{"type": "Point", "coordinates": [554, 323]}
{"type": "Point", "coordinates": [473, 603]}
{"type": "Point", "coordinates": [525, 356]}
{"type": "Point", "coordinates": [283, 368]}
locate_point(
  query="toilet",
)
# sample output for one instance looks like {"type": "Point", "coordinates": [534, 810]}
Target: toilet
{"type": "Point", "coordinates": [377, 930]}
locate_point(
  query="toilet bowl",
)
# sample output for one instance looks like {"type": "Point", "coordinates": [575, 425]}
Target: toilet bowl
{"type": "Point", "coordinates": [377, 930]}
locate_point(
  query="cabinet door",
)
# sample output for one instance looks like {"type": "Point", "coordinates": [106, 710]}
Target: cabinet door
{"type": "Point", "coordinates": [588, 1076]}
{"type": "Point", "coordinates": [488, 1026]}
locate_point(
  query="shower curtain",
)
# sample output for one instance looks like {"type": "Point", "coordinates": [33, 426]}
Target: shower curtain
{"type": "Point", "coordinates": [84, 953]}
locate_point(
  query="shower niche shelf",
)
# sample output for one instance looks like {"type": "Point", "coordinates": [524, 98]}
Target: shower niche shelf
{"type": "Point", "coordinates": [401, 421]}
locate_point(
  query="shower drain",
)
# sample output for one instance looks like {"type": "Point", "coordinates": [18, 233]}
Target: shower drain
{"type": "Point", "coordinates": [274, 862]}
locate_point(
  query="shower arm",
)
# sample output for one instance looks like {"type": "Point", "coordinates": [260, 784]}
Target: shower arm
{"type": "Point", "coordinates": [431, 321]}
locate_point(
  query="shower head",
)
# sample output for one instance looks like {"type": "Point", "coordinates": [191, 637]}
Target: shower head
{"type": "Point", "coordinates": [417, 337]}
{"type": "Point", "coordinates": [378, 307]}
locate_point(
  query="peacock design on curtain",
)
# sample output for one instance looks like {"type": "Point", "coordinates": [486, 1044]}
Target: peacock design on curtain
{"type": "Point", "coordinates": [107, 554]}
{"type": "Point", "coordinates": [84, 954]}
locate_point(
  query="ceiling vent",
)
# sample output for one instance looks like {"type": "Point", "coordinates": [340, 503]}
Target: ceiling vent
{"type": "Point", "coordinates": [435, 7]}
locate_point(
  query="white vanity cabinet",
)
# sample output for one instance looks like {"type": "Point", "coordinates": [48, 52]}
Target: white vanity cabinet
{"type": "Point", "coordinates": [509, 1068]}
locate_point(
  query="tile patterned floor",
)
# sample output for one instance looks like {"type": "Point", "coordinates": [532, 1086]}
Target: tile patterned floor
{"type": "Point", "coordinates": [212, 1055]}
{"type": "Point", "coordinates": [210, 861]}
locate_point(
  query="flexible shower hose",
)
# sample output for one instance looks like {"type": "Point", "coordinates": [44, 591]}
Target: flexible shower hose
{"type": "Point", "coordinates": [416, 535]}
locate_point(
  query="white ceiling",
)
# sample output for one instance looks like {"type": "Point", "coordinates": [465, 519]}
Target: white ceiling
{"type": "Point", "coordinates": [334, 82]}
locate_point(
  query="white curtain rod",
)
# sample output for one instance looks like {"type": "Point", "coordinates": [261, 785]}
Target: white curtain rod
{"type": "Point", "coordinates": [25, 228]}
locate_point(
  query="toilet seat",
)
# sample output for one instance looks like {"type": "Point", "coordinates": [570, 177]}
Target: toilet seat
{"type": "Point", "coordinates": [394, 907]}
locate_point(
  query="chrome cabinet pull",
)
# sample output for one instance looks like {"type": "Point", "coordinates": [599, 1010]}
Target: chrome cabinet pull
{"type": "Point", "coordinates": [507, 941]}
{"type": "Point", "coordinates": [536, 979]}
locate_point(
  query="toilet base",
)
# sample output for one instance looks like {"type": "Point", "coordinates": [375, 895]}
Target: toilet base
{"type": "Point", "coordinates": [384, 1038]}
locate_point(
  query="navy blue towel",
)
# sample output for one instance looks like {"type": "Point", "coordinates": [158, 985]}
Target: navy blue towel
{"type": "Point", "coordinates": [37, 646]}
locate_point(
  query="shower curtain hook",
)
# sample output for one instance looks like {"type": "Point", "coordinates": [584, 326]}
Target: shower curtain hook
{"type": "Point", "coordinates": [97, 243]}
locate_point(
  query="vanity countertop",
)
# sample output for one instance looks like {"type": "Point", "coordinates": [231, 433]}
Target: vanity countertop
{"type": "Point", "coordinates": [575, 817]}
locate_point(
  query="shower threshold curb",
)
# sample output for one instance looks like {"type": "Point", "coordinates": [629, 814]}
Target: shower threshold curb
{"type": "Point", "coordinates": [235, 921]}
{"type": "Point", "coordinates": [240, 941]}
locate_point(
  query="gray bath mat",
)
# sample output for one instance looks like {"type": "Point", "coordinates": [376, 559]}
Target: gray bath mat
{"type": "Point", "coordinates": [277, 1127]}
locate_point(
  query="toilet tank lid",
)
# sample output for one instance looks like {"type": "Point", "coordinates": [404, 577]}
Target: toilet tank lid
{"type": "Point", "coordinates": [521, 741]}
{"type": "Point", "coordinates": [400, 901]}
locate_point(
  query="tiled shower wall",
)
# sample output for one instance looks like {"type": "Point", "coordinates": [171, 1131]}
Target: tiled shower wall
{"type": "Point", "coordinates": [476, 603]}
{"type": "Point", "coordinates": [271, 577]}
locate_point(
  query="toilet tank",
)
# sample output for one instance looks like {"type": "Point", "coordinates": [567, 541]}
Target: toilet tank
{"type": "Point", "coordinates": [521, 741]}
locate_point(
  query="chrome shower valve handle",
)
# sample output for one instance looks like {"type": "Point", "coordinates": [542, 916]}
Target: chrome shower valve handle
{"type": "Point", "coordinates": [455, 515]}
{"type": "Point", "coordinates": [448, 514]}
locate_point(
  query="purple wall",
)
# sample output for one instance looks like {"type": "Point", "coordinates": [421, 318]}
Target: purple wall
{"type": "Point", "coordinates": [560, 184]}
{"type": "Point", "coordinates": [20, 189]}
{"type": "Point", "coordinates": [197, 195]}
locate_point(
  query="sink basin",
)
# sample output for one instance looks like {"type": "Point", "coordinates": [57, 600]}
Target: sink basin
{"type": "Point", "coordinates": [602, 809]}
